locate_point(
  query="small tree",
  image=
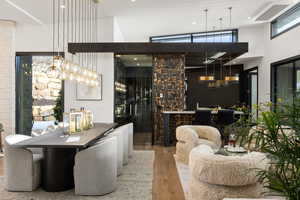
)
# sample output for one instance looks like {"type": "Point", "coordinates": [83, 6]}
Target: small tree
{"type": "Point", "coordinates": [59, 108]}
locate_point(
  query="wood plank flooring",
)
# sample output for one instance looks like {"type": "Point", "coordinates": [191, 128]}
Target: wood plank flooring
{"type": "Point", "coordinates": [166, 183]}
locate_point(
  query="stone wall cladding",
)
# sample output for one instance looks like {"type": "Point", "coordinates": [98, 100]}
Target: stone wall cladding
{"type": "Point", "coordinates": [168, 89]}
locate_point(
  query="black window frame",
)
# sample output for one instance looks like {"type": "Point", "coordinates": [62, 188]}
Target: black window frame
{"type": "Point", "coordinates": [235, 35]}
{"type": "Point", "coordinates": [286, 13]}
{"type": "Point", "coordinates": [274, 67]}
{"type": "Point", "coordinates": [17, 79]}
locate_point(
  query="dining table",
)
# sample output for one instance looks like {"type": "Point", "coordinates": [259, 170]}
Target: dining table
{"type": "Point", "coordinates": [59, 150]}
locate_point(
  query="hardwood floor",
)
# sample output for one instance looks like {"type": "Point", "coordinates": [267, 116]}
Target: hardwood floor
{"type": "Point", "coordinates": [166, 183]}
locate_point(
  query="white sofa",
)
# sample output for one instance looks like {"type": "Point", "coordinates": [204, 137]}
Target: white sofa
{"type": "Point", "coordinates": [189, 137]}
{"type": "Point", "coordinates": [95, 170]}
{"type": "Point", "coordinates": [216, 177]}
{"type": "Point", "coordinates": [21, 166]}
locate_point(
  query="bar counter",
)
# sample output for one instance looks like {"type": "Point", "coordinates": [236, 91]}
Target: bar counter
{"type": "Point", "coordinates": [173, 119]}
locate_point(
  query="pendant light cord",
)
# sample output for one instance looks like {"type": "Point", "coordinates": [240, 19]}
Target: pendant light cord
{"type": "Point", "coordinates": [58, 27]}
{"type": "Point", "coordinates": [230, 25]}
{"type": "Point", "coordinates": [53, 28]}
{"type": "Point", "coordinates": [206, 59]}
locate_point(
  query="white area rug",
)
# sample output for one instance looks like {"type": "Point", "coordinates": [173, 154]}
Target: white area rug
{"type": "Point", "coordinates": [184, 175]}
{"type": "Point", "coordinates": [134, 184]}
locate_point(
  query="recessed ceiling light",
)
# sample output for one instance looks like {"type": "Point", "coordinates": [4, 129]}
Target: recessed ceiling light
{"type": "Point", "coordinates": [138, 64]}
{"type": "Point", "coordinates": [118, 56]}
{"type": "Point", "coordinates": [62, 6]}
{"type": "Point", "coordinates": [133, 0]}
{"type": "Point", "coordinates": [135, 59]}
{"type": "Point", "coordinates": [249, 17]}
{"type": "Point", "coordinates": [194, 23]}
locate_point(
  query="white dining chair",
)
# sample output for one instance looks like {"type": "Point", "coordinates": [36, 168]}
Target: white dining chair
{"type": "Point", "coordinates": [22, 168]}
{"type": "Point", "coordinates": [124, 130]}
{"type": "Point", "coordinates": [130, 139]}
{"type": "Point", "coordinates": [119, 134]}
{"type": "Point", "coordinates": [95, 170]}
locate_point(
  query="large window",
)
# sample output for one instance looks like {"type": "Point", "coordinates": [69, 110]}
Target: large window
{"type": "Point", "coordinates": [38, 92]}
{"type": "Point", "coordinates": [286, 21]}
{"type": "Point", "coordinates": [286, 80]}
{"type": "Point", "coordinates": [212, 36]}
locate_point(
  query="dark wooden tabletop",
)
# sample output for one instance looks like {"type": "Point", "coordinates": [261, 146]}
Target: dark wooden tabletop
{"type": "Point", "coordinates": [78, 140]}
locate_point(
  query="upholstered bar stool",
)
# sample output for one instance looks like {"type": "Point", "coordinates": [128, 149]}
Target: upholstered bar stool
{"type": "Point", "coordinates": [21, 166]}
{"type": "Point", "coordinates": [95, 170]}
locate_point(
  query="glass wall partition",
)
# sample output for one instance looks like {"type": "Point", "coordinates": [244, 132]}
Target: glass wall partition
{"type": "Point", "coordinates": [39, 93]}
{"type": "Point", "coordinates": [286, 80]}
{"type": "Point", "coordinates": [133, 94]}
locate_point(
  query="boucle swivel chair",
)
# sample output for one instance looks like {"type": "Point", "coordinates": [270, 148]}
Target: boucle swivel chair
{"type": "Point", "coordinates": [216, 177]}
{"type": "Point", "coordinates": [189, 137]}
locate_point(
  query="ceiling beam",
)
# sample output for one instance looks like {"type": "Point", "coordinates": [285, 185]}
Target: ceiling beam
{"type": "Point", "coordinates": [157, 48]}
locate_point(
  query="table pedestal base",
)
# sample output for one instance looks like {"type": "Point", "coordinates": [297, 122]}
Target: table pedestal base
{"type": "Point", "coordinates": [57, 169]}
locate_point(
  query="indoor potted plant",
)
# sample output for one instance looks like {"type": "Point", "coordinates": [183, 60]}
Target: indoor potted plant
{"type": "Point", "coordinates": [279, 138]}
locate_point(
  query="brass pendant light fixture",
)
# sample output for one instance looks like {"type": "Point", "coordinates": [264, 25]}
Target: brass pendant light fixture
{"type": "Point", "coordinates": [207, 77]}
{"type": "Point", "coordinates": [231, 77]}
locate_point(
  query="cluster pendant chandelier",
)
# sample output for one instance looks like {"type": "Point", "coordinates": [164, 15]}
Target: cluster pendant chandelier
{"type": "Point", "coordinates": [75, 21]}
{"type": "Point", "coordinates": [222, 82]}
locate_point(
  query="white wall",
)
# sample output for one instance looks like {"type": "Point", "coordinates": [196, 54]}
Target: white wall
{"type": "Point", "coordinates": [255, 36]}
{"type": "Point", "coordinates": [279, 48]}
{"type": "Point", "coordinates": [35, 38]}
{"type": "Point", "coordinates": [7, 76]}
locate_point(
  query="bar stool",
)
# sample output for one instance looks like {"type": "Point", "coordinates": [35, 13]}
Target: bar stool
{"type": "Point", "coordinates": [224, 118]}
{"type": "Point", "coordinates": [202, 117]}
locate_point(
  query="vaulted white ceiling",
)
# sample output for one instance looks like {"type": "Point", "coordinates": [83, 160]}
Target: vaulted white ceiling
{"type": "Point", "coordinates": [143, 18]}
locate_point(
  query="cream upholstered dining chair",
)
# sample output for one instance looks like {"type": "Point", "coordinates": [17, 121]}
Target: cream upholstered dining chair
{"type": "Point", "coordinates": [189, 137]}
{"type": "Point", "coordinates": [125, 132]}
{"type": "Point", "coordinates": [95, 170]}
{"type": "Point", "coordinates": [22, 168]}
{"type": "Point", "coordinates": [130, 139]}
{"type": "Point", "coordinates": [216, 177]}
{"type": "Point", "coordinates": [119, 135]}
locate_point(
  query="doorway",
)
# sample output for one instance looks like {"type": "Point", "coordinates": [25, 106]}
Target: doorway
{"type": "Point", "coordinates": [250, 90]}
{"type": "Point", "coordinates": [133, 94]}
